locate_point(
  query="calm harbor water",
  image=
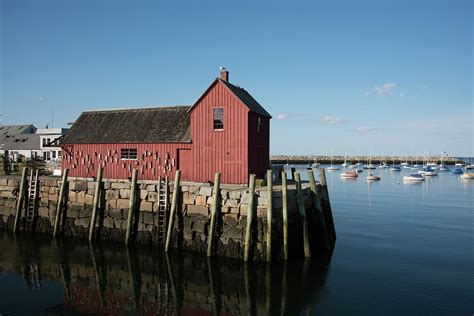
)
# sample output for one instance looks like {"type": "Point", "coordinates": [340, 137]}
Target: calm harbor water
{"type": "Point", "coordinates": [401, 249]}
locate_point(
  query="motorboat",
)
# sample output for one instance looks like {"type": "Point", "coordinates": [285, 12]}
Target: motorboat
{"type": "Point", "coordinates": [349, 174]}
{"type": "Point", "coordinates": [414, 177]}
{"type": "Point", "coordinates": [458, 171]}
{"type": "Point", "coordinates": [404, 164]}
{"type": "Point", "coordinates": [467, 176]}
{"type": "Point", "coordinates": [395, 168]}
{"type": "Point", "coordinates": [469, 167]}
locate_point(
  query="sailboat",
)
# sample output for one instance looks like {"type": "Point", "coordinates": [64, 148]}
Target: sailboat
{"type": "Point", "coordinates": [370, 176]}
{"type": "Point", "coordinates": [332, 168]}
{"type": "Point", "coordinates": [393, 167]}
{"type": "Point", "coordinates": [345, 164]}
{"type": "Point", "coordinates": [315, 163]}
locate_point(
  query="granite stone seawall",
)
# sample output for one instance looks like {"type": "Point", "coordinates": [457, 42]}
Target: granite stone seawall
{"type": "Point", "coordinates": [193, 214]}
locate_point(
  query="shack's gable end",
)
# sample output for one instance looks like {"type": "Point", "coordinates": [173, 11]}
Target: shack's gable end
{"type": "Point", "coordinates": [223, 150]}
{"type": "Point", "coordinates": [244, 98]}
{"type": "Point", "coordinates": [148, 125]}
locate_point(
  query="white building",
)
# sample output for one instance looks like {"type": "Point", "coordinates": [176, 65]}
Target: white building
{"type": "Point", "coordinates": [50, 139]}
{"type": "Point", "coordinates": [31, 142]}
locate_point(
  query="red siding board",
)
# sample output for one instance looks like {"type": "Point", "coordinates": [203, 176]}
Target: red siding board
{"type": "Point", "coordinates": [153, 160]}
{"type": "Point", "coordinates": [220, 151]}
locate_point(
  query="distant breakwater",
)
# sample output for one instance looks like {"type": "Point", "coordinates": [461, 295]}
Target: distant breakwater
{"type": "Point", "coordinates": [296, 159]}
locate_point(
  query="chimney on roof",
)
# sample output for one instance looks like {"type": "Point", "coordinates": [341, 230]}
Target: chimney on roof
{"type": "Point", "coordinates": [224, 74]}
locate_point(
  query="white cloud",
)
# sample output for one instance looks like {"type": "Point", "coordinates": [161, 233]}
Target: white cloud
{"type": "Point", "coordinates": [281, 116]}
{"type": "Point", "coordinates": [367, 129]}
{"type": "Point", "coordinates": [332, 120]}
{"type": "Point", "coordinates": [384, 90]}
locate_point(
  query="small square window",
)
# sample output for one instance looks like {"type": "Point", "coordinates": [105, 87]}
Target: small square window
{"type": "Point", "coordinates": [218, 119]}
{"type": "Point", "coordinates": [128, 153]}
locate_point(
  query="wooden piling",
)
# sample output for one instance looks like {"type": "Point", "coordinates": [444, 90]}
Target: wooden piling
{"type": "Point", "coordinates": [269, 213]}
{"type": "Point", "coordinates": [293, 171]}
{"type": "Point", "coordinates": [327, 209]}
{"type": "Point", "coordinates": [319, 211]}
{"type": "Point", "coordinates": [60, 206]}
{"type": "Point", "coordinates": [132, 205]}
{"type": "Point", "coordinates": [21, 198]}
{"type": "Point", "coordinates": [95, 206]}
{"type": "Point", "coordinates": [285, 214]}
{"type": "Point", "coordinates": [214, 211]}
{"type": "Point", "coordinates": [250, 215]}
{"type": "Point", "coordinates": [302, 209]}
{"type": "Point", "coordinates": [174, 203]}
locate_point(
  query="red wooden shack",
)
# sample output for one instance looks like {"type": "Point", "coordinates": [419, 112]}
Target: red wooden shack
{"type": "Point", "coordinates": [225, 131]}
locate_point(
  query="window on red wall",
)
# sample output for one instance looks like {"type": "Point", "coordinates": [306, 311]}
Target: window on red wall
{"type": "Point", "coordinates": [259, 124]}
{"type": "Point", "coordinates": [128, 153]}
{"type": "Point", "coordinates": [218, 119]}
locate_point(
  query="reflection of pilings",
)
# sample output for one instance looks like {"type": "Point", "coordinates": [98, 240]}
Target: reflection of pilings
{"type": "Point", "coordinates": [304, 280]}
{"type": "Point", "coordinates": [284, 291]}
{"type": "Point", "coordinates": [250, 303]}
{"type": "Point", "coordinates": [215, 297]}
{"type": "Point", "coordinates": [135, 278]}
{"type": "Point", "coordinates": [97, 272]}
{"type": "Point", "coordinates": [268, 288]}
{"type": "Point", "coordinates": [172, 283]}
{"type": "Point", "coordinates": [63, 265]}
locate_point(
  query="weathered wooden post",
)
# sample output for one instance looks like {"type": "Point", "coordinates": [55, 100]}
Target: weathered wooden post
{"type": "Point", "coordinates": [174, 203]}
{"type": "Point", "coordinates": [132, 204]}
{"type": "Point", "coordinates": [302, 209]}
{"type": "Point", "coordinates": [214, 211]}
{"type": "Point", "coordinates": [95, 206]}
{"type": "Point", "coordinates": [293, 170]}
{"type": "Point", "coordinates": [269, 213]}
{"type": "Point", "coordinates": [319, 211]}
{"type": "Point", "coordinates": [60, 206]}
{"type": "Point", "coordinates": [327, 209]}
{"type": "Point", "coordinates": [21, 198]}
{"type": "Point", "coordinates": [285, 214]}
{"type": "Point", "coordinates": [250, 214]}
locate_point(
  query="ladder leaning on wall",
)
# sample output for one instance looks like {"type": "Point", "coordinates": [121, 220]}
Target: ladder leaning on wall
{"type": "Point", "coordinates": [162, 212]}
{"type": "Point", "coordinates": [31, 210]}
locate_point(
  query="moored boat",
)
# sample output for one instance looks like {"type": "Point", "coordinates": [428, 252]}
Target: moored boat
{"type": "Point", "coordinates": [467, 176]}
{"type": "Point", "coordinates": [349, 174]}
{"type": "Point", "coordinates": [458, 171]}
{"type": "Point", "coordinates": [414, 177]}
{"type": "Point", "coordinates": [442, 167]}
{"type": "Point", "coordinates": [395, 168]}
{"type": "Point", "coordinates": [372, 177]}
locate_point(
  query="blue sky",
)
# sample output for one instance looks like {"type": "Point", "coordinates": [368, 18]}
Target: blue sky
{"type": "Point", "coordinates": [393, 77]}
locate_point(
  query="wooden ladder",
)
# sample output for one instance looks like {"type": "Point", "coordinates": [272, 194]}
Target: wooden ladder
{"type": "Point", "coordinates": [162, 214]}
{"type": "Point", "coordinates": [32, 199]}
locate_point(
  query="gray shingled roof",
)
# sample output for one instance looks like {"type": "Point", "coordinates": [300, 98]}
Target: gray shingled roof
{"type": "Point", "coordinates": [20, 142]}
{"type": "Point", "coordinates": [17, 129]}
{"type": "Point", "coordinates": [247, 99]}
{"type": "Point", "coordinates": [146, 125]}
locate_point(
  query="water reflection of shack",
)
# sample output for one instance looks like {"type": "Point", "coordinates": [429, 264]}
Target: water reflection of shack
{"type": "Point", "coordinates": [113, 280]}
